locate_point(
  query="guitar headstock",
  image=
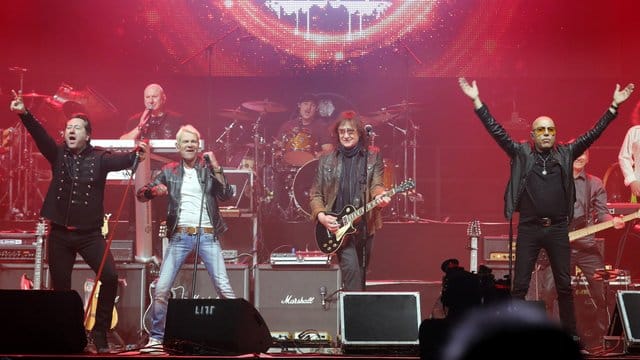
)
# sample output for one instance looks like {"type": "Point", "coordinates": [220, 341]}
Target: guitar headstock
{"type": "Point", "coordinates": [405, 186]}
{"type": "Point", "coordinates": [473, 228]}
{"type": "Point", "coordinates": [41, 227]}
{"type": "Point", "coordinates": [162, 232]}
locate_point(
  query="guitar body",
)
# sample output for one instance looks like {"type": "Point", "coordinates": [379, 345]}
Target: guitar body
{"type": "Point", "coordinates": [329, 242]}
{"type": "Point", "coordinates": [91, 317]}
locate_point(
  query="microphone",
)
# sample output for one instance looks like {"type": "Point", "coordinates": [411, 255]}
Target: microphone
{"type": "Point", "coordinates": [368, 128]}
{"type": "Point", "coordinates": [323, 296]}
{"type": "Point", "coordinates": [136, 161]}
{"type": "Point", "coordinates": [207, 162]}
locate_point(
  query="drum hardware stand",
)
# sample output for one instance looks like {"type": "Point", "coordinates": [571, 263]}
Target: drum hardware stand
{"type": "Point", "coordinates": [226, 145]}
{"type": "Point", "coordinates": [22, 177]}
{"type": "Point", "coordinates": [257, 188]}
{"type": "Point", "coordinates": [411, 128]}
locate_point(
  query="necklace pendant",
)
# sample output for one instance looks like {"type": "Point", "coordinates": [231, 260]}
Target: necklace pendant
{"type": "Point", "coordinates": [544, 172]}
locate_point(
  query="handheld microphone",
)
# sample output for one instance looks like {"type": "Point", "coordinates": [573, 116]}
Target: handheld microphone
{"type": "Point", "coordinates": [207, 160]}
{"type": "Point", "coordinates": [323, 296]}
{"type": "Point", "coordinates": [368, 128]}
{"type": "Point", "coordinates": [136, 161]}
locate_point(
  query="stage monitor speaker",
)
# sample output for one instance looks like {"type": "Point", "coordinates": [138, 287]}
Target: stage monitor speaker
{"type": "Point", "coordinates": [380, 321]}
{"type": "Point", "coordinates": [290, 301]}
{"type": "Point", "coordinates": [41, 322]}
{"type": "Point", "coordinates": [626, 319]}
{"type": "Point", "coordinates": [215, 327]}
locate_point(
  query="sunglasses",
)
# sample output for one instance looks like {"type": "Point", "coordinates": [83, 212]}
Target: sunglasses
{"type": "Point", "coordinates": [539, 131]}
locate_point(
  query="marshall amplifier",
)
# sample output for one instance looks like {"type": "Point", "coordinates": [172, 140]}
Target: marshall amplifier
{"type": "Point", "coordinates": [291, 303]}
{"type": "Point", "coordinates": [122, 251]}
{"type": "Point", "coordinates": [18, 247]}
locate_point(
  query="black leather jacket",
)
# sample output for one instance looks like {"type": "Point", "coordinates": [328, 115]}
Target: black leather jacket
{"type": "Point", "coordinates": [171, 176]}
{"type": "Point", "coordinates": [76, 192]}
{"type": "Point", "coordinates": [522, 156]}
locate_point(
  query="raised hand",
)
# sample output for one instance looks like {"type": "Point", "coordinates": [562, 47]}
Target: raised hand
{"type": "Point", "coordinates": [17, 105]}
{"type": "Point", "coordinates": [471, 90]}
{"type": "Point", "coordinates": [619, 96]}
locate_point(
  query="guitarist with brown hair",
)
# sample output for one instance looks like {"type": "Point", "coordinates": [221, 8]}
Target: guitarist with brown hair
{"type": "Point", "coordinates": [340, 185]}
{"type": "Point", "coordinates": [590, 208]}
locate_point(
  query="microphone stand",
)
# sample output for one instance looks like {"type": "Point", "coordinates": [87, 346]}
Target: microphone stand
{"type": "Point", "coordinates": [209, 49]}
{"type": "Point", "coordinates": [197, 249]}
{"type": "Point", "coordinates": [365, 233]}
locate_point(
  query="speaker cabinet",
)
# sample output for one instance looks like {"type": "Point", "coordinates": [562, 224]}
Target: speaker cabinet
{"type": "Point", "coordinates": [380, 320]}
{"type": "Point", "coordinates": [215, 327]}
{"type": "Point", "coordinates": [10, 274]}
{"type": "Point", "coordinates": [626, 319]}
{"type": "Point", "coordinates": [288, 297]}
{"type": "Point", "coordinates": [41, 322]}
{"type": "Point", "coordinates": [132, 289]}
{"type": "Point", "coordinates": [238, 277]}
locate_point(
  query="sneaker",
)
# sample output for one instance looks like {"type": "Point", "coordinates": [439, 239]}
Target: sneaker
{"type": "Point", "coordinates": [154, 345]}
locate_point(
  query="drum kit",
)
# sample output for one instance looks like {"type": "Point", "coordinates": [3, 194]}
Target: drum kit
{"type": "Point", "coordinates": [285, 167]}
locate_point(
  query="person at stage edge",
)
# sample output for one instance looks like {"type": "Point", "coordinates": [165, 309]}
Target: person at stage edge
{"type": "Point", "coordinates": [542, 190]}
{"type": "Point", "coordinates": [190, 219]}
{"type": "Point", "coordinates": [338, 183]}
{"type": "Point", "coordinates": [74, 205]}
{"type": "Point", "coordinates": [629, 156]}
{"type": "Point", "coordinates": [590, 208]}
{"type": "Point", "coordinates": [155, 122]}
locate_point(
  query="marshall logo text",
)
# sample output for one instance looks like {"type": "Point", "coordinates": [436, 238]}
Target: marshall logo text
{"type": "Point", "coordinates": [292, 300]}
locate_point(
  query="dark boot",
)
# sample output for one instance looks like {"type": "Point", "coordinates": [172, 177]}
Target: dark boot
{"type": "Point", "coordinates": [100, 341]}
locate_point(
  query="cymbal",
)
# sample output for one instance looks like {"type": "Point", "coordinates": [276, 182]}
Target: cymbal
{"type": "Point", "coordinates": [264, 106]}
{"type": "Point", "coordinates": [34, 95]}
{"type": "Point", "coordinates": [236, 114]}
{"type": "Point", "coordinates": [381, 116]}
{"type": "Point", "coordinates": [404, 106]}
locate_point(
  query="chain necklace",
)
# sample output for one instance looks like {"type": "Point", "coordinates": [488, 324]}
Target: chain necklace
{"type": "Point", "coordinates": [544, 162]}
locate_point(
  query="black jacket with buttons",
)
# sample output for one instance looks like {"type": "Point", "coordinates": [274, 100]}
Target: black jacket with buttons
{"type": "Point", "coordinates": [76, 192]}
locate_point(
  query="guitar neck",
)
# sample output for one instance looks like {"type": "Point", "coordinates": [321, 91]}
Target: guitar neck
{"type": "Point", "coordinates": [37, 272]}
{"type": "Point", "coordinates": [370, 205]}
{"type": "Point", "coordinates": [580, 233]}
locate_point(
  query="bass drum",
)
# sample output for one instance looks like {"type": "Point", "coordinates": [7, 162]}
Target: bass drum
{"type": "Point", "coordinates": [302, 182]}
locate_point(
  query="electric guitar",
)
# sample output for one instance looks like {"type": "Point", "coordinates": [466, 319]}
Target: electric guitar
{"type": "Point", "coordinates": [88, 288]}
{"type": "Point", "coordinates": [473, 232]}
{"type": "Point", "coordinates": [329, 242]}
{"type": "Point", "coordinates": [580, 233]}
{"type": "Point", "coordinates": [36, 283]}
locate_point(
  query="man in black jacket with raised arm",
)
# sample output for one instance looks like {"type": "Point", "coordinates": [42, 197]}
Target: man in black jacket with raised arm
{"type": "Point", "coordinates": [542, 190]}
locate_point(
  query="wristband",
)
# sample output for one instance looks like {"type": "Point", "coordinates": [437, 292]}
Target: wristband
{"type": "Point", "coordinates": [614, 106]}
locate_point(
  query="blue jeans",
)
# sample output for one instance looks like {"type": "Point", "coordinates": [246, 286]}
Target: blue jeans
{"type": "Point", "coordinates": [180, 245]}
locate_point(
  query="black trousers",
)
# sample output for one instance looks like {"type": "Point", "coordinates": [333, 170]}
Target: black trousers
{"type": "Point", "coordinates": [63, 246]}
{"type": "Point", "coordinates": [350, 259]}
{"type": "Point", "coordinates": [554, 239]}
